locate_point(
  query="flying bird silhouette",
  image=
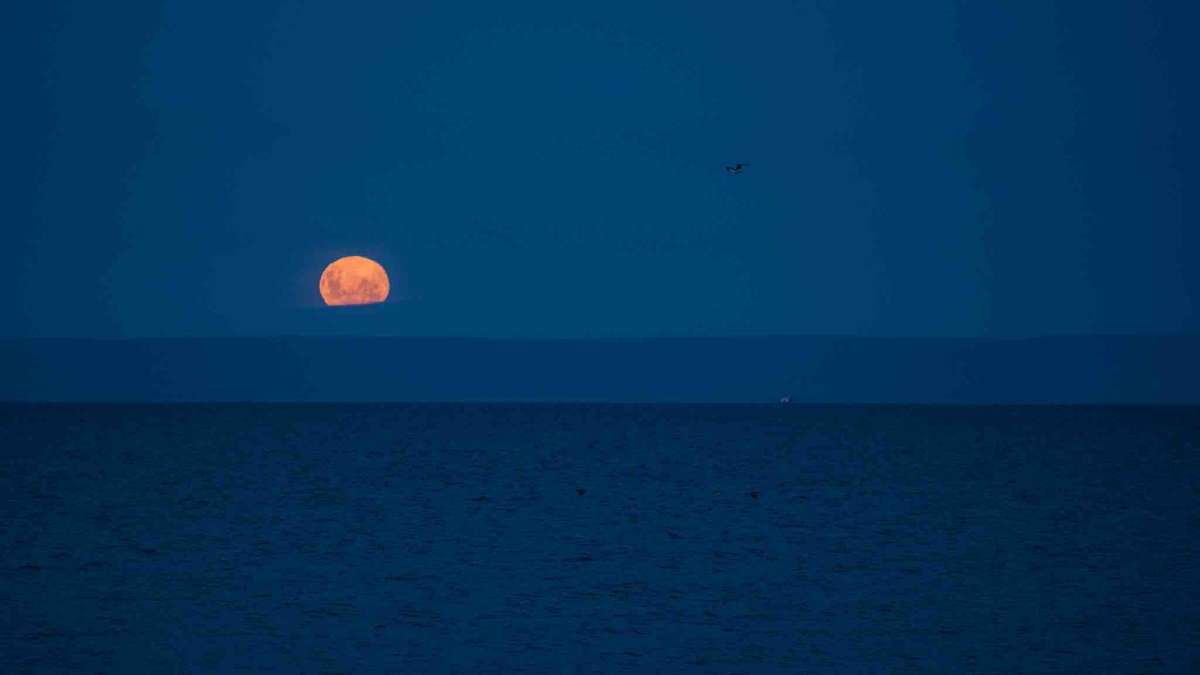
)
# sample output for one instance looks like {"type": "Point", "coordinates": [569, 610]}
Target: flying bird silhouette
{"type": "Point", "coordinates": [736, 168]}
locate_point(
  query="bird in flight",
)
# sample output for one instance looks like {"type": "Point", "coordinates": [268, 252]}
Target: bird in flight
{"type": "Point", "coordinates": [736, 168]}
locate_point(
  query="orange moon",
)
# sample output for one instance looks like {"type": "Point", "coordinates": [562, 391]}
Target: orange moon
{"type": "Point", "coordinates": [354, 280]}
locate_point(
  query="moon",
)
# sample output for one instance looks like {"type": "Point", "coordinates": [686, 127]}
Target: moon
{"type": "Point", "coordinates": [354, 280]}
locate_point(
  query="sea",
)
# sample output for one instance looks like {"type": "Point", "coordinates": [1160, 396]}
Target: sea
{"type": "Point", "coordinates": [599, 538]}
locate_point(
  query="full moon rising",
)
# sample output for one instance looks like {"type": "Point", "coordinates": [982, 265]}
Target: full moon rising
{"type": "Point", "coordinates": [354, 280]}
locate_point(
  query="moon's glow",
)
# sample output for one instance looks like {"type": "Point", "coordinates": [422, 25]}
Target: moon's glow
{"type": "Point", "coordinates": [354, 280]}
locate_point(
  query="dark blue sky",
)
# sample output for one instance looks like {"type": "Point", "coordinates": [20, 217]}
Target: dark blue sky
{"type": "Point", "coordinates": [555, 169]}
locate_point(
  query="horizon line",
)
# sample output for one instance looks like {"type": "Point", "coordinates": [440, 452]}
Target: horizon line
{"type": "Point", "coordinates": [569, 338]}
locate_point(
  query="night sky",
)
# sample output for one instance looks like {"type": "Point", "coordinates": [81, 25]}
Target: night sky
{"type": "Point", "coordinates": [540, 169]}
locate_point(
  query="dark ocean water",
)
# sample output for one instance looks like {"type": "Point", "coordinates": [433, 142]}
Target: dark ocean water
{"type": "Point", "coordinates": [453, 538]}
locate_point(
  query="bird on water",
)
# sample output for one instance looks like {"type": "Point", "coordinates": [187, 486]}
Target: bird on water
{"type": "Point", "coordinates": [736, 168]}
